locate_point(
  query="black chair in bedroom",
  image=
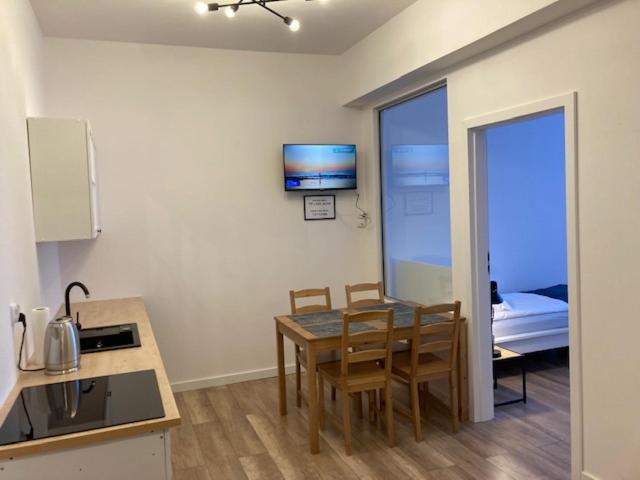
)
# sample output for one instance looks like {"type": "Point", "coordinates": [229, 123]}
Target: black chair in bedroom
{"type": "Point", "coordinates": [496, 299]}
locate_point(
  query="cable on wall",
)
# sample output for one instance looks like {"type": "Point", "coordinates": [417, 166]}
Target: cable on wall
{"type": "Point", "coordinates": [363, 216]}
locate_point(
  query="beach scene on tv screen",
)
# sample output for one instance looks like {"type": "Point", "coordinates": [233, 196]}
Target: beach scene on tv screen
{"type": "Point", "coordinates": [319, 167]}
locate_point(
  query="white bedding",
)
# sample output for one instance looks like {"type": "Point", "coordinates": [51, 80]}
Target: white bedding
{"type": "Point", "coordinates": [528, 322]}
{"type": "Point", "coordinates": [534, 323]}
{"type": "Point", "coordinates": [528, 304]}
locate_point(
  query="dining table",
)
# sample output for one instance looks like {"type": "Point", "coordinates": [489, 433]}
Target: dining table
{"type": "Point", "coordinates": [322, 331]}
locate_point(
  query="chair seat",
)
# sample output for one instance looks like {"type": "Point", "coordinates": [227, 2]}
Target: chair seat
{"type": "Point", "coordinates": [400, 346]}
{"type": "Point", "coordinates": [360, 374]}
{"type": "Point", "coordinates": [334, 355]}
{"type": "Point", "coordinates": [396, 347]}
{"type": "Point", "coordinates": [321, 357]}
{"type": "Point", "coordinates": [429, 365]}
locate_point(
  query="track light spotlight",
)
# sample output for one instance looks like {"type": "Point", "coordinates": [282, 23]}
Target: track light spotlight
{"type": "Point", "coordinates": [230, 11]}
{"type": "Point", "coordinates": [202, 7]}
{"type": "Point", "coordinates": [294, 25]}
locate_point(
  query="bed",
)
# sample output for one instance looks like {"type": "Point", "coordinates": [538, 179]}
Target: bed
{"type": "Point", "coordinates": [532, 321]}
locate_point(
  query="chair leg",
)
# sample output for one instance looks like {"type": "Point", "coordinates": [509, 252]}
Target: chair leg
{"type": "Point", "coordinates": [321, 413]}
{"type": "Point", "coordinates": [453, 400]}
{"type": "Point", "coordinates": [425, 394]}
{"type": "Point", "coordinates": [378, 405]}
{"type": "Point", "coordinates": [334, 358]}
{"type": "Point", "coordinates": [346, 422]}
{"type": "Point", "coordinates": [382, 405]}
{"type": "Point", "coordinates": [298, 379]}
{"type": "Point", "coordinates": [391, 439]}
{"type": "Point", "coordinates": [357, 397]}
{"type": "Point", "coordinates": [372, 406]}
{"type": "Point", "coordinates": [415, 410]}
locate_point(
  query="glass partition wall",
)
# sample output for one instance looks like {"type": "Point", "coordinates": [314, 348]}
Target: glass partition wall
{"type": "Point", "coordinates": [414, 175]}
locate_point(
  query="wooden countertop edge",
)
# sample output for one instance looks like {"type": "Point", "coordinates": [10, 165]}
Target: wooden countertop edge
{"type": "Point", "coordinates": [172, 415]}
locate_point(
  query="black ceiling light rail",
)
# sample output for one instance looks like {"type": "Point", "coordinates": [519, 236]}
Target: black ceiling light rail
{"type": "Point", "coordinates": [230, 10]}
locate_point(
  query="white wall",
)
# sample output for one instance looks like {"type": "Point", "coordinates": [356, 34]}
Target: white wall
{"type": "Point", "coordinates": [594, 53]}
{"type": "Point", "coordinates": [20, 49]}
{"type": "Point", "coordinates": [433, 34]}
{"type": "Point", "coordinates": [527, 203]}
{"type": "Point", "coordinates": [195, 219]}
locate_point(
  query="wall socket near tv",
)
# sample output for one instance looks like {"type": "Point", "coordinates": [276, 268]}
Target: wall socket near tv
{"type": "Point", "coordinates": [14, 312]}
{"type": "Point", "coordinates": [364, 219]}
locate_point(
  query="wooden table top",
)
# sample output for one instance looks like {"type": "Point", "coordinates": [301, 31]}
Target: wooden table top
{"type": "Point", "coordinates": [146, 357]}
{"type": "Point", "coordinates": [326, 327]}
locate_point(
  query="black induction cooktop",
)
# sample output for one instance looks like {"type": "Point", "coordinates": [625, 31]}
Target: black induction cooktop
{"type": "Point", "coordinates": [80, 405]}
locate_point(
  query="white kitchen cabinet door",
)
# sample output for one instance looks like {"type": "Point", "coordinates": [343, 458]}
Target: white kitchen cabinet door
{"type": "Point", "coordinates": [64, 180]}
{"type": "Point", "coordinates": [143, 457]}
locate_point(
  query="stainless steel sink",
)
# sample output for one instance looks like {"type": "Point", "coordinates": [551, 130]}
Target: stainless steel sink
{"type": "Point", "coordinates": [113, 337]}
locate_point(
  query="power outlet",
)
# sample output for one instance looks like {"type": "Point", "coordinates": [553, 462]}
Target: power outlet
{"type": "Point", "coordinates": [364, 220]}
{"type": "Point", "coordinates": [14, 313]}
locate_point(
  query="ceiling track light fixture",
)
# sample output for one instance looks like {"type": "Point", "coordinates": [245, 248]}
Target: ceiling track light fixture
{"type": "Point", "coordinates": [230, 10]}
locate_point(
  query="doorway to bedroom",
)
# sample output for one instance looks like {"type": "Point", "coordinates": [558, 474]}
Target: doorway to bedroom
{"type": "Point", "coordinates": [524, 237]}
{"type": "Point", "coordinates": [526, 196]}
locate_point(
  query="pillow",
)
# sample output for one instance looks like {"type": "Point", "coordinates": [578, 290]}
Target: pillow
{"type": "Point", "coordinates": [502, 307]}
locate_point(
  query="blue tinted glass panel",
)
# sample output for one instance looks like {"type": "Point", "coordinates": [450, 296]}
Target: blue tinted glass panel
{"type": "Point", "coordinates": [414, 172]}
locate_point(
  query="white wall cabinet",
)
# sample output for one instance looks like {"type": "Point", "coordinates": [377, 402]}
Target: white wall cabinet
{"type": "Point", "coordinates": [63, 179]}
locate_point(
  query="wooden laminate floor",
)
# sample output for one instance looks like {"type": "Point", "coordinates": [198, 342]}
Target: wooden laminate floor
{"type": "Point", "coordinates": [236, 432]}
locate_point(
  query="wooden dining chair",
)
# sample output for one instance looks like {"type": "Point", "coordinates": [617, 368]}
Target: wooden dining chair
{"type": "Point", "coordinates": [398, 346]}
{"type": "Point", "coordinates": [300, 355]}
{"type": "Point", "coordinates": [433, 356]}
{"type": "Point", "coordinates": [376, 300]}
{"type": "Point", "coordinates": [364, 287]}
{"type": "Point", "coordinates": [361, 370]}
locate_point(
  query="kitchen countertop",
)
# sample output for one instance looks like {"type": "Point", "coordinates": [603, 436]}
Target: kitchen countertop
{"type": "Point", "coordinates": [98, 314]}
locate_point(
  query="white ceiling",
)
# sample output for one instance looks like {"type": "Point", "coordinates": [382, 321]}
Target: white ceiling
{"type": "Point", "coordinates": [328, 26]}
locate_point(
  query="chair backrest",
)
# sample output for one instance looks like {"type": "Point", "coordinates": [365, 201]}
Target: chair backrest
{"type": "Point", "coordinates": [437, 337]}
{"type": "Point", "coordinates": [380, 339]}
{"type": "Point", "coordinates": [310, 292]}
{"type": "Point", "coordinates": [364, 287]}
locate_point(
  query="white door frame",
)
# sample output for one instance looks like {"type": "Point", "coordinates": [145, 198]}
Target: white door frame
{"type": "Point", "coordinates": [480, 354]}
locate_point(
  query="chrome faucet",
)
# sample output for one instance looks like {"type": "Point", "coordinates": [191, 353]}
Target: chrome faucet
{"type": "Point", "coordinates": [67, 305]}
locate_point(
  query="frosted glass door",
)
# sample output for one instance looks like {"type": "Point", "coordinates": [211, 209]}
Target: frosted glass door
{"type": "Point", "coordinates": [414, 173]}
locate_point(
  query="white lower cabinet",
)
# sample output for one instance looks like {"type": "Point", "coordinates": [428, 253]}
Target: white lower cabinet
{"type": "Point", "coordinates": [142, 457]}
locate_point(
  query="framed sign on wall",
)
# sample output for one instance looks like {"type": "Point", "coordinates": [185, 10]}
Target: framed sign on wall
{"type": "Point", "coordinates": [319, 207]}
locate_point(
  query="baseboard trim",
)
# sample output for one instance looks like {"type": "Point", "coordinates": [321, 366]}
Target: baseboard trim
{"type": "Point", "coordinates": [588, 476]}
{"type": "Point", "coordinates": [219, 380]}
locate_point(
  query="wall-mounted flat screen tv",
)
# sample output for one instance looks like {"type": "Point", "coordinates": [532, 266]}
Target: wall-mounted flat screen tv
{"type": "Point", "coordinates": [319, 167]}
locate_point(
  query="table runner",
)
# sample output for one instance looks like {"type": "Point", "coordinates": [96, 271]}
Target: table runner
{"type": "Point", "coordinates": [317, 317]}
{"type": "Point", "coordinates": [329, 323]}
